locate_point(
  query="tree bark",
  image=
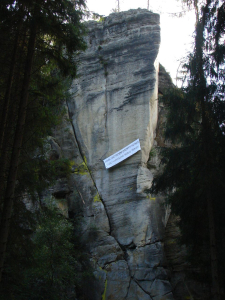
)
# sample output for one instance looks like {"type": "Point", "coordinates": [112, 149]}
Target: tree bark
{"type": "Point", "coordinates": [213, 250]}
{"type": "Point", "coordinates": [6, 100]}
{"type": "Point", "coordinates": [18, 139]}
{"type": "Point", "coordinates": [11, 117]}
{"type": "Point", "coordinates": [207, 140]}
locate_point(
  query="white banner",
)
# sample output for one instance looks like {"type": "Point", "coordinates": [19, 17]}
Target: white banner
{"type": "Point", "coordinates": [122, 154]}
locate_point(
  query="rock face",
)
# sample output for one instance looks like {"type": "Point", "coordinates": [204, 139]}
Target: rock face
{"type": "Point", "coordinates": [115, 101]}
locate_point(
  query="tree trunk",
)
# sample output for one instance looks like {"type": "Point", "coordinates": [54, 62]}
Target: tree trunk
{"type": "Point", "coordinates": [11, 119]}
{"type": "Point", "coordinates": [213, 250]}
{"type": "Point", "coordinates": [10, 80]}
{"type": "Point", "coordinates": [8, 92]}
{"type": "Point", "coordinates": [207, 140]}
{"type": "Point", "coordinates": [18, 139]}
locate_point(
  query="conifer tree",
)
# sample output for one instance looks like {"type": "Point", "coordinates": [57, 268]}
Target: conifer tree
{"type": "Point", "coordinates": [46, 259]}
{"type": "Point", "coordinates": [43, 36]}
{"type": "Point", "coordinates": [194, 168]}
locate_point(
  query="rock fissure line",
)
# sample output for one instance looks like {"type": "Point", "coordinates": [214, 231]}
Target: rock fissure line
{"type": "Point", "coordinates": [129, 100]}
{"type": "Point", "coordinates": [126, 259]}
{"type": "Point", "coordinates": [150, 243]}
{"type": "Point", "coordinates": [166, 293]}
{"type": "Point", "coordinates": [110, 226]}
{"type": "Point", "coordinates": [79, 193]}
{"type": "Point", "coordinates": [131, 246]}
{"type": "Point", "coordinates": [55, 141]}
{"type": "Point", "coordinates": [146, 235]}
{"type": "Point", "coordinates": [105, 281]}
{"type": "Point", "coordinates": [106, 102]}
{"type": "Point", "coordinates": [128, 288]}
{"type": "Point", "coordinates": [136, 281]}
{"type": "Point", "coordinates": [106, 111]}
{"type": "Point", "coordinates": [79, 148]}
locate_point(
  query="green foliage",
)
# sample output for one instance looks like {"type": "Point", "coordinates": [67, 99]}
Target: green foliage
{"type": "Point", "coordinates": [39, 173]}
{"type": "Point", "coordinates": [39, 40]}
{"type": "Point", "coordinates": [153, 153]}
{"type": "Point", "coordinates": [47, 260]}
{"type": "Point", "coordinates": [194, 167]}
{"type": "Point", "coordinates": [59, 35]}
{"type": "Point", "coordinates": [97, 17]}
{"type": "Point", "coordinates": [53, 270]}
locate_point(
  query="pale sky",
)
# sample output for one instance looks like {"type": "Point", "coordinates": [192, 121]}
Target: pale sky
{"type": "Point", "coordinates": [176, 33]}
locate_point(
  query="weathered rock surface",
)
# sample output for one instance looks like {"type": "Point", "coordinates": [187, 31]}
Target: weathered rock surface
{"type": "Point", "coordinates": [115, 101]}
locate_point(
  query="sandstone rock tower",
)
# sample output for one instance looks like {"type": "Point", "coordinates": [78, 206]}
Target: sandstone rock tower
{"type": "Point", "coordinates": [115, 102]}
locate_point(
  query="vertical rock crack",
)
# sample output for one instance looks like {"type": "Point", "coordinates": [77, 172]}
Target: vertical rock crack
{"type": "Point", "coordinates": [89, 172]}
